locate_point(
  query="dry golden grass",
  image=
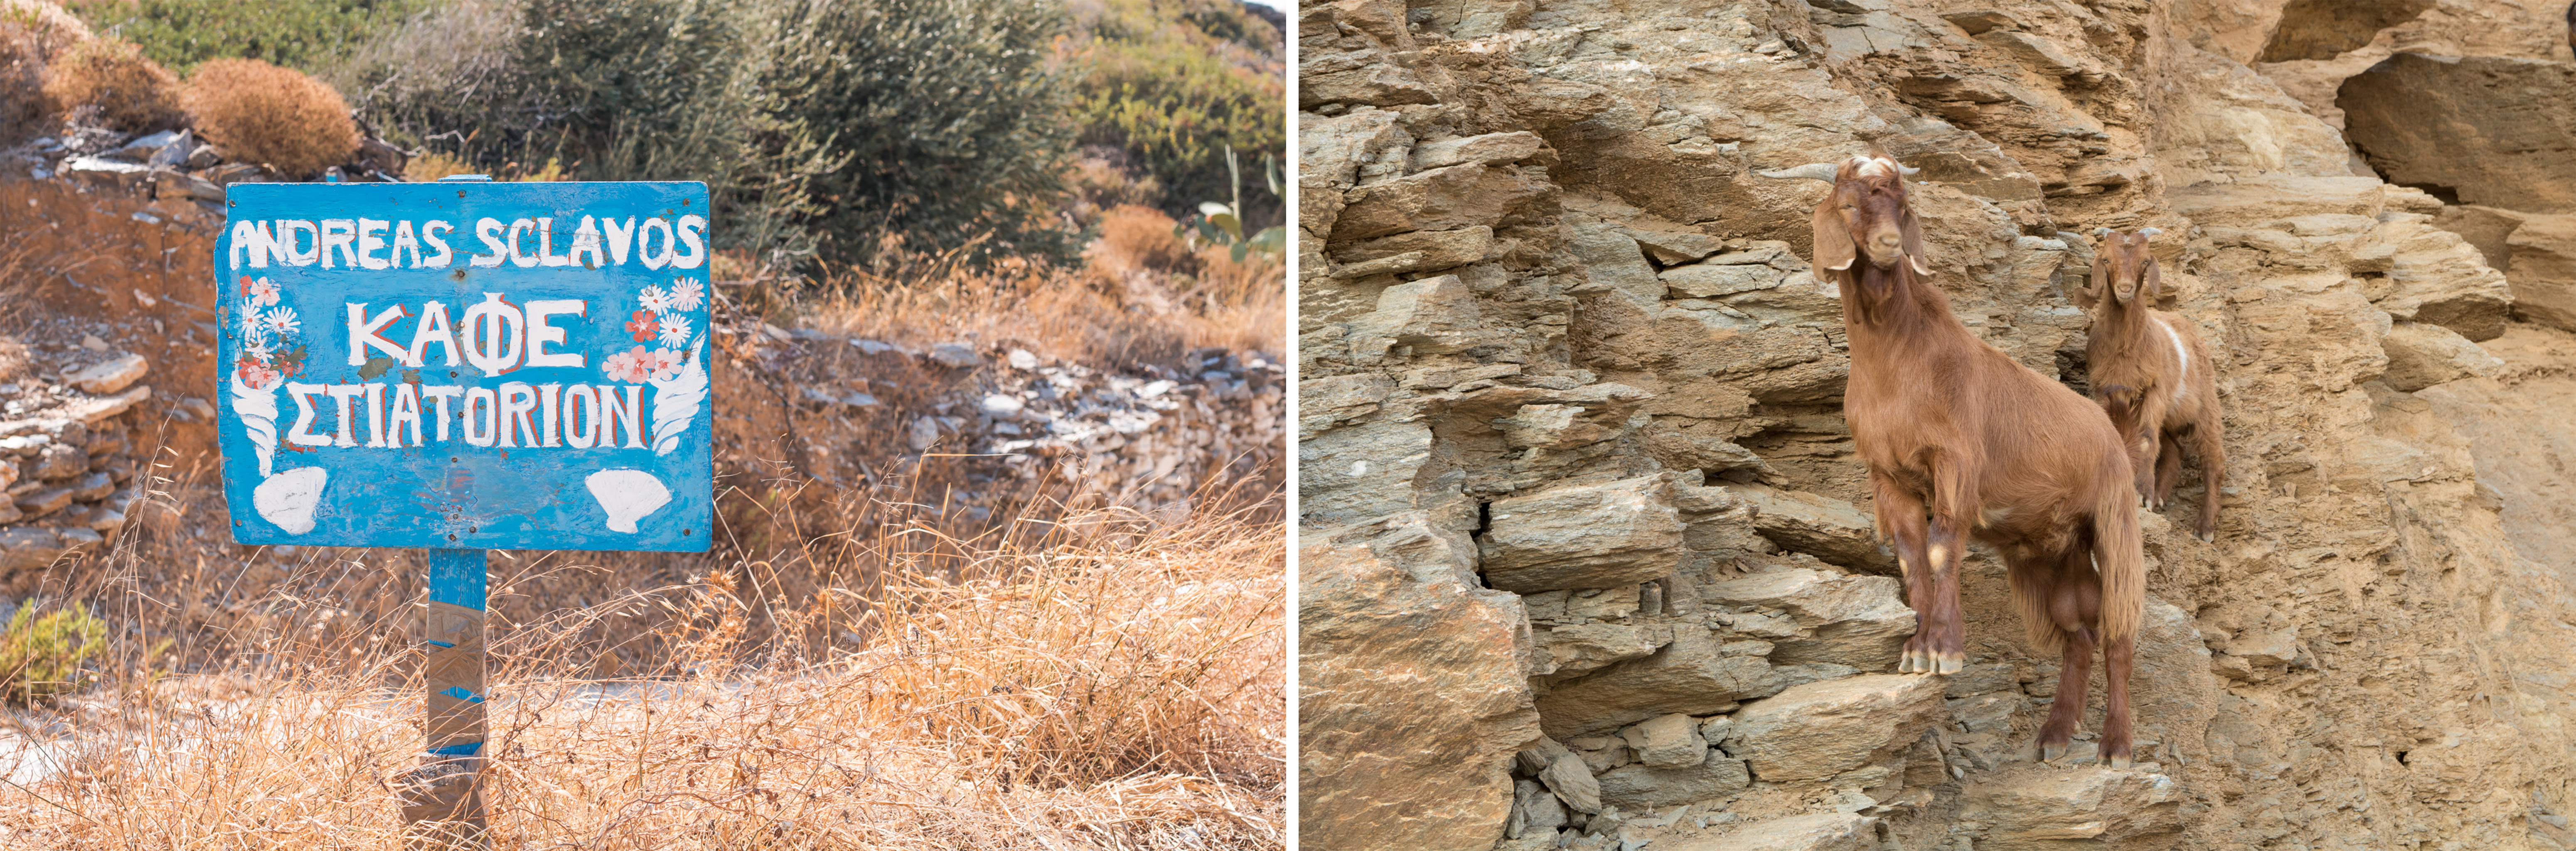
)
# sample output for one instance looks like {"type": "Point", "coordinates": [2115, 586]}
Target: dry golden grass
{"type": "Point", "coordinates": [266, 114]}
{"type": "Point", "coordinates": [133, 94]}
{"type": "Point", "coordinates": [1151, 313]}
{"type": "Point", "coordinates": [1138, 240]}
{"type": "Point", "coordinates": [1109, 682]}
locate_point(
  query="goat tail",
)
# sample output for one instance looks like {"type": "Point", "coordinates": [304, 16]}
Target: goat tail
{"type": "Point", "coordinates": [2121, 560]}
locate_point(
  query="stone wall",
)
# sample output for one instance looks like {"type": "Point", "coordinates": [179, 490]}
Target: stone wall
{"type": "Point", "coordinates": [68, 452]}
{"type": "Point", "coordinates": [1586, 560]}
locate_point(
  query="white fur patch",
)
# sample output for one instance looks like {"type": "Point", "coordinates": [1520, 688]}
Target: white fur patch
{"type": "Point", "coordinates": [1868, 166]}
{"type": "Point", "coordinates": [2183, 381]}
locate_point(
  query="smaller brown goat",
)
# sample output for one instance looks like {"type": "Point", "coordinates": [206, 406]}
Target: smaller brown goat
{"type": "Point", "coordinates": [2152, 374]}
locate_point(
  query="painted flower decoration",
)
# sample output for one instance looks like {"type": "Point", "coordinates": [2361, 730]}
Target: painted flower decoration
{"type": "Point", "coordinates": [675, 331]}
{"type": "Point", "coordinates": [632, 367]}
{"type": "Point", "coordinates": [259, 376]}
{"type": "Point", "coordinates": [687, 295]}
{"type": "Point", "coordinates": [264, 334]}
{"type": "Point", "coordinates": [663, 322]}
{"type": "Point", "coordinates": [258, 292]}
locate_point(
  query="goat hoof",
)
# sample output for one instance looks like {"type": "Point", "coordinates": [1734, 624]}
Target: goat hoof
{"type": "Point", "coordinates": [2207, 536]}
{"type": "Point", "coordinates": [1912, 663]}
{"type": "Point", "coordinates": [2120, 762]}
{"type": "Point", "coordinates": [1950, 663]}
{"type": "Point", "coordinates": [2050, 753]}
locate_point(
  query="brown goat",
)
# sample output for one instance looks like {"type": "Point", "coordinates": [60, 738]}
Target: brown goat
{"type": "Point", "coordinates": [1954, 430]}
{"type": "Point", "coordinates": [2152, 374]}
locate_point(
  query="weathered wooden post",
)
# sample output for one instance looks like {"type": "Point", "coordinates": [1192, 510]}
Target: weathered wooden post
{"type": "Point", "coordinates": [464, 366]}
{"type": "Point", "coordinates": [444, 794]}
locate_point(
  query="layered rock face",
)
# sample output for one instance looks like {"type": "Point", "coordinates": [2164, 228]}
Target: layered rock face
{"type": "Point", "coordinates": [1588, 561]}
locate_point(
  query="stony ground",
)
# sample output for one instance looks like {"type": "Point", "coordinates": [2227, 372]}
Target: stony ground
{"type": "Point", "coordinates": [1570, 390]}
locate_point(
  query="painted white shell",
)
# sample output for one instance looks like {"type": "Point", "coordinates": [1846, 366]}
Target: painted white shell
{"type": "Point", "coordinates": [288, 499]}
{"type": "Point", "coordinates": [627, 496]}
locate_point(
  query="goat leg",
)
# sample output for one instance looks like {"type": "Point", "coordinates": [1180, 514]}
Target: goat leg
{"type": "Point", "coordinates": [2142, 466]}
{"type": "Point", "coordinates": [2115, 710]}
{"type": "Point", "coordinates": [1946, 649]}
{"type": "Point", "coordinates": [1900, 515]}
{"type": "Point", "coordinates": [2075, 606]}
{"type": "Point", "coordinates": [2168, 469]}
{"type": "Point", "coordinates": [2213, 473]}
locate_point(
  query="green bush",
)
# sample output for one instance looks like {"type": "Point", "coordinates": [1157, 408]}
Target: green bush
{"type": "Point", "coordinates": [41, 657]}
{"type": "Point", "coordinates": [943, 116]}
{"type": "Point", "coordinates": [820, 127]}
{"type": "Point", "coordinates": [182, 34]}
{"type": "Point", "coordinates": [1175, 85]}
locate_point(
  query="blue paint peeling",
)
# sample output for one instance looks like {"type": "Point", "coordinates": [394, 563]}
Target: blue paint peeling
{"type": "Point", "coordinates": [566, 313]}
{"type": "Point", "coordinates": [460, 693]}
{"type": "Point", "coordinates": [459, 577]}
{"type": "Point", "coordinates": [466, 749]}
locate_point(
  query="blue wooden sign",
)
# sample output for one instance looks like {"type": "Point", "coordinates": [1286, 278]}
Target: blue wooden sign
{"type": "Point", "coordinates": [467, 365]}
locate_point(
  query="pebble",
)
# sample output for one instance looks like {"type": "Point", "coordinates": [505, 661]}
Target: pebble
{"type": "Point", "coordinates": [957, 355]}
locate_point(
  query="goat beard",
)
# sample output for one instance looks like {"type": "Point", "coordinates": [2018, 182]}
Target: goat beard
{"type": "Point", "coordinates": [1873, 286]}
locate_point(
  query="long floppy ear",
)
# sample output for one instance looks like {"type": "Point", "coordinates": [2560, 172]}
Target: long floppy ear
{"type": "Point", "coordinates": [2154, 286]}
{"type": "Point", "coordinates": [2090, 294]}
{"type": "Point", "coordinates": [1834, 248]}
{"type": "Point", "coordinates": [1911, 229]}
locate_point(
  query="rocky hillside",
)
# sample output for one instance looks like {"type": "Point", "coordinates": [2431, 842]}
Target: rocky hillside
{"type": "Point", "coordinates": [1587, 561]}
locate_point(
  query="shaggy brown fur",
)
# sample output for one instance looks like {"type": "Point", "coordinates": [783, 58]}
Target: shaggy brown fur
{"type": "Point", "coordinates": [2152, 374]}
{"type": "Point", "coordinates": [1963, 441]}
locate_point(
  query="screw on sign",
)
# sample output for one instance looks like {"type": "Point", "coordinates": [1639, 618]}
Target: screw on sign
{"type": "Point", "coordinates": [461, 366]}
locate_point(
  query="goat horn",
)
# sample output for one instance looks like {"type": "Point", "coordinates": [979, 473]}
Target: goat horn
{"type": "Point", "coordinates": [2101, 232]}
{"type": "Point", "coordinates": [2150, 231]}
{"type": "Point", "coordinates": [1904, 169]}
{"type": "Point", "coordinates": [1818, 171]}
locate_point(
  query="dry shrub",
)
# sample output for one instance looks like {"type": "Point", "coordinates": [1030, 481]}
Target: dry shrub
{"type": "Point", "coordinates": [1138, 240]}
{"type": "Point", "coordinates": [133, 94]}
{"type": "Point", "coordinates": [23, 105]}
{"type": "Point", "coordinates": [31, 35]}
{"type": "Point", "coordinates": [262, 113]}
